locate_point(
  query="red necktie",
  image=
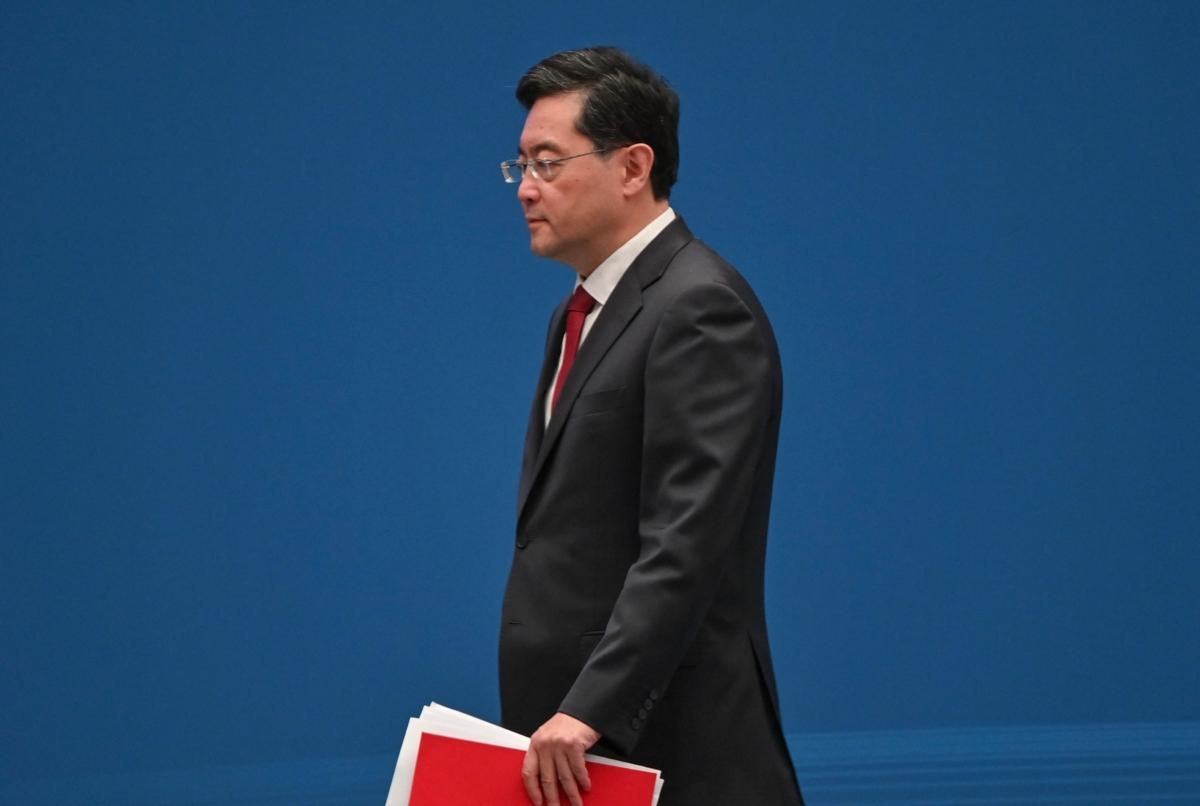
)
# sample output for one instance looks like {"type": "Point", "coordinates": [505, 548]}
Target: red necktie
{"type": "Point", "coordinates": [579, 306]}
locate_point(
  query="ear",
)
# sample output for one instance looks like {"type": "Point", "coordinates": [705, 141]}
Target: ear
{"type": "Point", "coordinates": [638, 160]}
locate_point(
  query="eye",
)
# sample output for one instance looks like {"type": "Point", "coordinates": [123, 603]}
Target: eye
{"type": "Point", "coordinates": [545, 167]}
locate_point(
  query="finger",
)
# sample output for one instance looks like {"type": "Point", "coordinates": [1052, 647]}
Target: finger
{"type": "Point", "coordinates": [529, 777]}
{"type": "Point", "coordinates": [579, 770]}
{"type": "Point", "coordinates": [546, 774]}
{"type": "Point", "coordinates": [566, 779]}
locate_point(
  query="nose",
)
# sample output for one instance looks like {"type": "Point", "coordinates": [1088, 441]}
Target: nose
{"type": "Point", "coordinates": [527, 190]}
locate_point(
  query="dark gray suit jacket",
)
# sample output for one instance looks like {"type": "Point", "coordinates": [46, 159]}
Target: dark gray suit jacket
{"type": "Point", "coordinates": [635, 599]}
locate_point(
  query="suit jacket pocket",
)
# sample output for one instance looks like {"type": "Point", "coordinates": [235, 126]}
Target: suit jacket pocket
{"type": "Point", "coordinates": [596, 402]}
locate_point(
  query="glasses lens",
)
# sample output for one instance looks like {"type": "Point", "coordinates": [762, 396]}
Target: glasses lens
{"type": "Point", "coordinates": [512, 171]}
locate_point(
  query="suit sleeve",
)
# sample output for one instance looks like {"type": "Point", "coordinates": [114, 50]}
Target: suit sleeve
{"type": "Point", "coordinates": [709, 390]}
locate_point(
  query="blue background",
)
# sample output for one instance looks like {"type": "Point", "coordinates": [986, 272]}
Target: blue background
{"type": "Point", "coordinates": [269, 329]}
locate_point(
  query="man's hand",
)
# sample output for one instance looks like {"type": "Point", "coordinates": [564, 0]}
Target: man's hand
{"type": "Point", "coordinates": [555, 759]}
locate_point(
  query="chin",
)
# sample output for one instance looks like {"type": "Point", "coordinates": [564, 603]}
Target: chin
{"type": "Point", "coordinates": [541, 248]}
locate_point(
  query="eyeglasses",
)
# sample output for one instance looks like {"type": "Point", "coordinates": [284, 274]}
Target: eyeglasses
{"type": "Point", "coordinates": [543, 169]}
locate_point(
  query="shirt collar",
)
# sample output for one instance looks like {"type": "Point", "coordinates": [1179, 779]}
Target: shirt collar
{"type": "Point", "coordinates": [601, 282]}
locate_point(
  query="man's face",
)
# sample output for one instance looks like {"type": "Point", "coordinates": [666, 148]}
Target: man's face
{"type": "Point", "coordinates": [571, 217]}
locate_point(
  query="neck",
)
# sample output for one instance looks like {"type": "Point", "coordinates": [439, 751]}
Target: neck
{"type": "Point", "coordinates": [631, 224]}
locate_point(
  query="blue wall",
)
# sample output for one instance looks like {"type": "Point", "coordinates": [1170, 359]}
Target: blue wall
{"type": "Point", "coordinates": [269, 329]}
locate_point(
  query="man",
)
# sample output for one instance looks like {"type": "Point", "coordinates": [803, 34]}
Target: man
{"type": "Point", "coordinates": [633, 619]}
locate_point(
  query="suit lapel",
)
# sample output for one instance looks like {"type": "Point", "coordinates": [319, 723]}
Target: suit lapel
{"type": "Point", "coordinates": [622, 306]}
{"type": "Point", "coordinates": [537, 417]}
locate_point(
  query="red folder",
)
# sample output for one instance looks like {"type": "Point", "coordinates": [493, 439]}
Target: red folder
{"type": "Point", "coordinates": [457, 772]}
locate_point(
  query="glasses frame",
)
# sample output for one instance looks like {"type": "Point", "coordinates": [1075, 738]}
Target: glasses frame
{"type": "Point", "coordinates": [547, 166]}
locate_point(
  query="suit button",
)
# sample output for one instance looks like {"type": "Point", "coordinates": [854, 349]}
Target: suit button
{"type": "Point", "coordinates": [642, 713]}
{"type": "Point", "coordinates": [648, 704]}
{"type": "Point", "coordinates": [522, 541]}
{"type": "Point", "coordinates": [635, 723]}
{"type": "Point", "coordinates": [655, 694]}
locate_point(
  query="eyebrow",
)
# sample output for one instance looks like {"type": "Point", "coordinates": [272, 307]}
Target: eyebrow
{"type": "Point", "coordinates": [544, 145]}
